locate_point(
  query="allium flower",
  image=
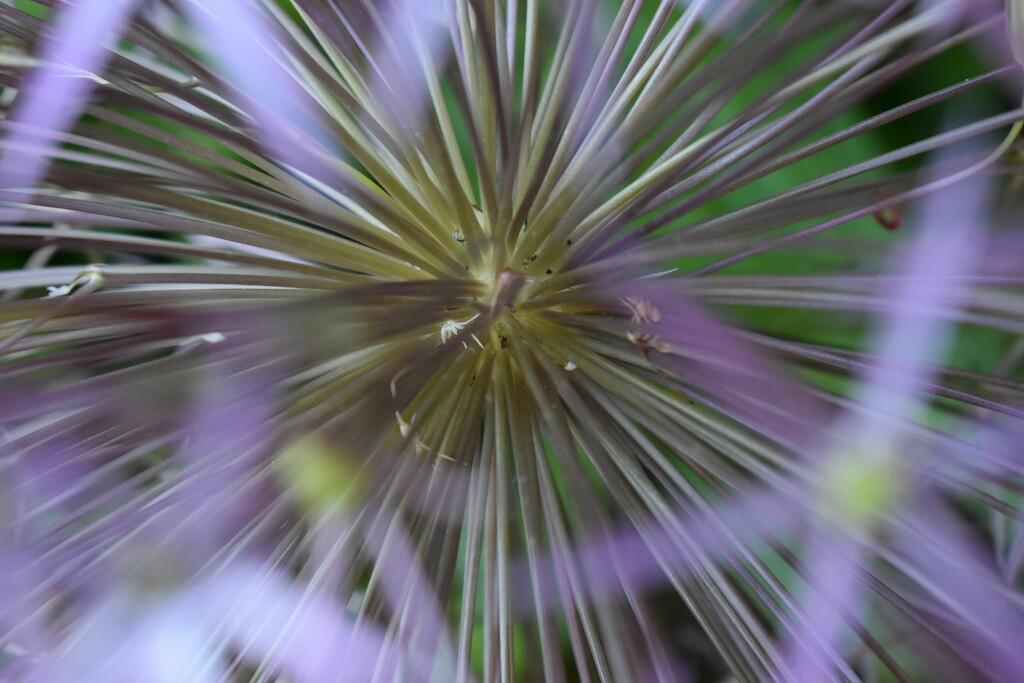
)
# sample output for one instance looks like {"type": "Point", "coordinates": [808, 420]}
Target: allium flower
{"type": "Point", "coordinates": [498, 340]}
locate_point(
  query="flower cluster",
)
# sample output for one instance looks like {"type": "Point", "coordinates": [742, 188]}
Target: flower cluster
{"type": "Point", "coordinates": [510, 340]}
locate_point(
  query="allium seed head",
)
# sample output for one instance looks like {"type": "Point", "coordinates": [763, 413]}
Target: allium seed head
{"type": "Point", "coordinates": [509, 340]}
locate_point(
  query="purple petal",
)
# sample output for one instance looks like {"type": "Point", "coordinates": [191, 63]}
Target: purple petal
{"type": "Point", "coordinates": [643, 559]}
{"type": "Point", "coordinates": [405, 586]}
{"type": "Point", "coordinates": [414, 27]}
{"type": "Point", "coordinates": [302, 633]}
{"type": "Point", "coordinates": [53, 95]}
{"type": "Point", "coordinates": [970, 597]}
{"type": "Point", "coordinates": [245, 45]}
{"type": "Point", "coordinates": [729, 372]}
{"type": "Point", "coordinates": [916, 332]}
{"type": "Point", "coordinates": [812, 646]}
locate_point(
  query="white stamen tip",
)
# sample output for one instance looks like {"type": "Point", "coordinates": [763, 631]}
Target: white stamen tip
{"type": "Point", "coordinates": [450, 328]}
{"type": "Point", "coordinates": [208, 338]}
{"type": "Point", "coordinates": [92, 277]}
